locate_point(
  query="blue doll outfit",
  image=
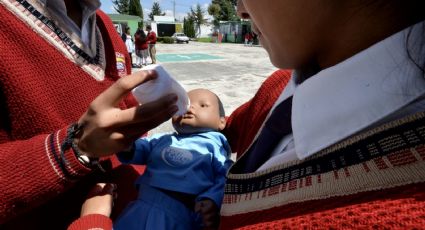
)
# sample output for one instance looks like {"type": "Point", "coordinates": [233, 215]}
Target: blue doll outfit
{"type": "Point", "coordinates": [194, 164]}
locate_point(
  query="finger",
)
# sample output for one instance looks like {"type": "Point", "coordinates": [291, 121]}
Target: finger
{"type": "Point", "coordinates": [96, 190]}
{"type": "Point", "coordinates": [109, 188]}
{"type": "Point", "coordinates": [160, 110]}
{"type": "Point", "coordinates": [197, 207]}
{"type": "Point", "coordinates": [115, 93]}
{"type": "Point", "coordinates": [125, 136]}
{"type": "Point", "coordinates": [101, 189]}
{"type": "Point", "coordinates": [209, 222]}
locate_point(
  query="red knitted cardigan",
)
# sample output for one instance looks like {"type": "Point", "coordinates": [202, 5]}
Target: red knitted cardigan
{"type": "Point", "coordinates": [42, 93]}
{"type": "Point", "coordinates": [372, 180]}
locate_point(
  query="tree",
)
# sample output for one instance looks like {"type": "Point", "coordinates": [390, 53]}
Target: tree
{"type": "Point", "coordinates": [223, 10]}
{"type": "Point", "coordinates": [197, 16]}
{"type": "Point", "coordinates": [121, 6]}
{"type": "Point", "coordinates": [156, 11]}
{"type": "Point", "coordinates": [135, 8]}
{"type": "Point", "coordinates": [189, 27]}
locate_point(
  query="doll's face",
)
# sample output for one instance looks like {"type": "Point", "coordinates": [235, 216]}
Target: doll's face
{"type": "Point", "coordinates": [202, 115]}
{"type": "Point", "coordinates": [292, 31]}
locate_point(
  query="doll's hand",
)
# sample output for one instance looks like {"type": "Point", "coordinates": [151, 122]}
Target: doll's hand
{"type": "Point", "coordinates": [209, 212]}
{"type": "Point", "coordinates": [99, 200]}
{"type": "Point", "coordinates": [106, 129]}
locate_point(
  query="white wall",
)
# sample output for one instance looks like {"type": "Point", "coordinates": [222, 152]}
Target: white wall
{"type": "Point", "coordinates": [206, 31]}
{"type": "Point", "coordinates": [163, 18]}
{"type": "Point", "coordinates": [154, 27]}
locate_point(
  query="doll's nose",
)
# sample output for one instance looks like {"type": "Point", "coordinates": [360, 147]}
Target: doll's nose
{"type": "Point", "coordinates": [191, 110]}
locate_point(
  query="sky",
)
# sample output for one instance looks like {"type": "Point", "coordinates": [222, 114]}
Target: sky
{"type": "Point", "coordinates": [182, 6]}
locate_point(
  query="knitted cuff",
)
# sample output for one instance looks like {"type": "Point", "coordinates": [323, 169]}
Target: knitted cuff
{"type": "Point", "coordinates": [92, 221]}
{"type": "Point", "coordinates": [72, 169]}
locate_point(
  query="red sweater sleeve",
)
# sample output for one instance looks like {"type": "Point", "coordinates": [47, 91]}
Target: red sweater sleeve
{"type": "Point", "coordinates": [152, 37]}
{"type": "Point", "coordinates": [40, 95]}
{"type": "Point", "coordinates": [243, 124]}
{"type": "Point", "coordinates": [31, 172]}
{"type": "Point", "coordinates": [94, 221]}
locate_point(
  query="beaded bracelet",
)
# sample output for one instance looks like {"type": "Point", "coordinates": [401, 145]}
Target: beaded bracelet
{"type": "Point", "coordinates": [68, 143]}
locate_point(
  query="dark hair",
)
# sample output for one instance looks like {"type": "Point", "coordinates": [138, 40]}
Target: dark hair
{"type": "Point", "coordinates": [141, 33]}
{"type": "Point", "coordinates": [220, 107]}
{"type": "Point", "coordinates": [148, 27]}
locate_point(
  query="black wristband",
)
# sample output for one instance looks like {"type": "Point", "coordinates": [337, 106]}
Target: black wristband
{"type": "Point", "coordinates": [72, 132]}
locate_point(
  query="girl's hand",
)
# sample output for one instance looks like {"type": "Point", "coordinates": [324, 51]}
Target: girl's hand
{"type": "Point", "coordinates": [100, 200]}
{"type": "Point", "coordinates": [106, 129]}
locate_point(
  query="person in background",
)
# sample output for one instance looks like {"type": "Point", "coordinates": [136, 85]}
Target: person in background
{"type": "Point", "coordinates": [141, 46]}
{"type": "Point", "coordinates": [124, 35]}
{"type": "Point", "coordinates": [183, 185]}
{"type": "Point", "coordinates": [64, 110]}
{"type": "Point", "coordinates": [248, 39]}
{"type": "Point", "coordinates": [129, 43]}
{"type": "Point", "coordinates": [251, 39]}
{"type": "Point", "coordinates": [151, 39]}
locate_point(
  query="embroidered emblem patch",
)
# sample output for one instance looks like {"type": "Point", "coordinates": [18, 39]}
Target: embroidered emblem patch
{"type": "Point", "coordinates": [176, 157]}
{"type": "Point", "coordinates": [121, 64]}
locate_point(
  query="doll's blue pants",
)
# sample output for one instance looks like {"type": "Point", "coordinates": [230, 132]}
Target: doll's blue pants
{"type": "Point", "coordinates": [155, 210]}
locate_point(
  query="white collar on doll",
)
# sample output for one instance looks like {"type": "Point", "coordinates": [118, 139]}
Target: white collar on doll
{"type": "Point", "coordinates": [378, 84]}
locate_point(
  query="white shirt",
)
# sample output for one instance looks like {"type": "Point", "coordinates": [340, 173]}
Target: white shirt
{"type": "Point", "coordinates": [377, 85]}
{"type": "Point", "coordinates": [129, 43]}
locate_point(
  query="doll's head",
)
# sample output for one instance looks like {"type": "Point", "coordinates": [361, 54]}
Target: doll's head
{"type": "Point", "coordinates": [206, 113]}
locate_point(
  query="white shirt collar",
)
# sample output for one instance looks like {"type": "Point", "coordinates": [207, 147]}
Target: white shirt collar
{"type": "Point", "coordinates": [350, 96]}
{"type": "Point", "coordinates": [89, 7]}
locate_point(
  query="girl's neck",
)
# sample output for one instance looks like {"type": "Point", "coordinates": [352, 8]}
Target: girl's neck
{"type": "Point", "coordinates": [74, 11]}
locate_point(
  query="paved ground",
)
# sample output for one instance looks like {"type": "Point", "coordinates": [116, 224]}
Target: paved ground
{"type": "Point", "coordinates": [234, 72]}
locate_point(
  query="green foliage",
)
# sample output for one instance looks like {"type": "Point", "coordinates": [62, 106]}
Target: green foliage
{"type": "Point", "coordinates": [197, 16]}
{"type": "Point", "coordinates": [168, 40]}
{"type": "Point", "coordinates": [223, 10]}
{"type": "Point", "coordinates": [214, 10]}
{"type": "Point", "coordinates": [121, 6]}
{"type": "Point", "coordinates": [130, 7]}
{"type": "Point", "coordinates": [135, 8]}
{"type": "Point", "coordinates": [189, 27]}
{"type": "Point", "coordinates": [156, 10]}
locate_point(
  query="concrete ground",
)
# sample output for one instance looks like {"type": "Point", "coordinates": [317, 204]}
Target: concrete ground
{"type": "Point", "coordinates": [234, 77]}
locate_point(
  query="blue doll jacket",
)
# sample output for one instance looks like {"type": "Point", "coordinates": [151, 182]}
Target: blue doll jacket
{"type": "Point", "coordinates": [190, 163]}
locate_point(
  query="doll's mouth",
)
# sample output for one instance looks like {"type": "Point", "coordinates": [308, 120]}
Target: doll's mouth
{"type": "Point", "coordinates": [188, 116]}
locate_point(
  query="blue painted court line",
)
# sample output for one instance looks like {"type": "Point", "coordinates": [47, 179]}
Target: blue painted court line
{"type": "Point", "coordinates": [185, 57]}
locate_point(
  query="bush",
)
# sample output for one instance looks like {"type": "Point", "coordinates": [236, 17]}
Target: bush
{"type": "Point", "coordinates": [159, 39]}
{"type": "Point", "coordinates": [168, 40]}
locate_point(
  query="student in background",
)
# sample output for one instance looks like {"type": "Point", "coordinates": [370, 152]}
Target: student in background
{"type": "Point", "coordinates": [141, 46]}
{"type": "Point", "coordinates": [129, 43]}
{"type": "Point", "coordinates": [151, 39]}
